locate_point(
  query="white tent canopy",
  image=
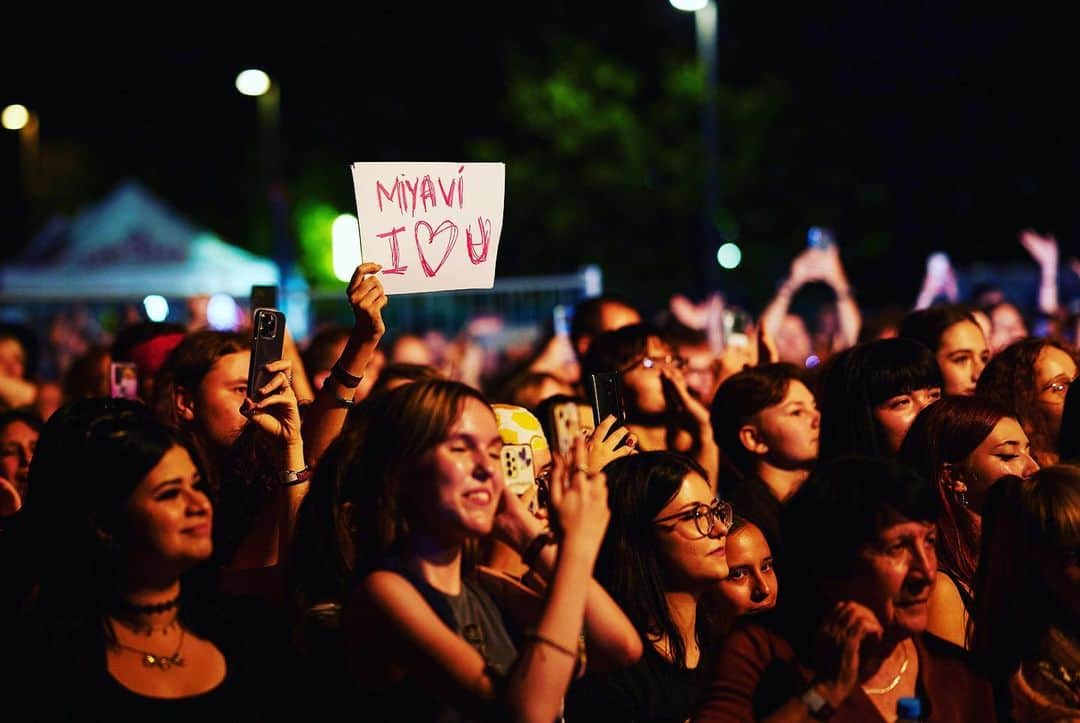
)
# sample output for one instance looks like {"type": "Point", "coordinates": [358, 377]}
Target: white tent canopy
{"type": "Point", "coordinates": [127, 246]}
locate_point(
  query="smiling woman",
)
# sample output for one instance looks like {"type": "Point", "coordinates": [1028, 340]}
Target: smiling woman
{"type": "Point", "coordinates": [424, 480]}
{"type": "Point", "coordinates": [123, 625]}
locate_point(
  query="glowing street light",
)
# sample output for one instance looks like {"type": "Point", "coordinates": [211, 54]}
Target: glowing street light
{"type": "Point", "coordinates": [253, 82]}
{"type": "Point", "coordinates": [689, 5]}
{"type": "Point", "coordinates": [15, 117]}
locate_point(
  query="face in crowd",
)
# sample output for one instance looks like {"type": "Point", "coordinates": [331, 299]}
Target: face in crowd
{"type": "Point", "coordinates": [894, 573]}
{"type": "Point", "coordinates": [895, 415]}
{"type": "Point", "coordinates": [1006, 326]}
{"type": "Point", "coordinates": [750, 586]}
{"type": "Point", "coordinates": [1006, 450]}
{"type": "Point", "coordinates": [215, 405]}
{"type": "Point", "coordinates": [691, 531]}
{"type": "Point", "coordinates": [786, 434]}
{"type": "Point", "coordinates": [170, 519]}
{"type": "Point", "coordinates": [961, 356]}
{"type": "Point", "coordinates": [642, 379]}
{"type": "Point", "coordinates": [17, 442]}
{"type": "Point", "coordinates": [1055, 371]}
{"type": "Point", "coordinates": [464, 477]}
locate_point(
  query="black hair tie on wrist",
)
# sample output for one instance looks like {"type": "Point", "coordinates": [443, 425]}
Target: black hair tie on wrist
{"type": "Point", "coordinates": [344, 378]}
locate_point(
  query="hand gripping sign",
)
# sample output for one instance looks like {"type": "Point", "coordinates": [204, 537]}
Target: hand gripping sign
{"type": "Point", "coordinates": [432, 226]}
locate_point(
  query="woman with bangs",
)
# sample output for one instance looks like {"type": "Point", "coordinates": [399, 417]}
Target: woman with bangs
{"type": "Point", "coordinates": [963, 445]}
{"type": "Point", "coordinates": [870, 394]}
{"type": "Point", "coordinates": [1028, 594]}
{"type": "Point", "coordinates": [421, 636]}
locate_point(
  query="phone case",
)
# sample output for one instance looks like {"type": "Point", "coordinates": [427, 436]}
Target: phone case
{"type": "Point", "coordinates": [267, 345]}
{"type": "Point", "coordinates": [605, 394]}
{"type": "Point", "coordinates": [518, 468]}
{"type": "Point", "coordinates": [123, 380]}
{"type": "Point", "coordinates": [567, 425]}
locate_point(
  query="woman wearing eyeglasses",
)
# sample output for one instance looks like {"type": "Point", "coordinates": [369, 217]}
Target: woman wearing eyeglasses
{"type": "Point", "coordinates": [1031, 379]}
{"type": "Point", "coordinates": [661, 412]}
{"type": "Point", "coordinates": [664, 548]}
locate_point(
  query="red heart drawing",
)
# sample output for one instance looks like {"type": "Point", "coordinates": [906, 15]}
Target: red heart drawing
{"type": "Point", "coordinates": [445, 225]}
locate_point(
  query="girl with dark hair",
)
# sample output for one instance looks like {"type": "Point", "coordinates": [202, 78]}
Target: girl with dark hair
{"type": "Point", "coordinates": [871, 393]}
{"type": "Point", "coordinates": [766, 422]}
{"type": "Point", "coordinates": [957, 341]}
{"type": "Point", "coordinates": [1030, 378]}
{"type": "Point", "coordinates": [123, 625]}
{"type": "Point", "coordinates": [661, 412]}
{"type": "Point", "coordinates": [1027, 596]}
{"type": "Point", "coordinates": [963, 445]}
{"type": "Point", "coordinates": [663, 551]}
{"type": "Point", "coordinates": [750, 587]}
{"type": "Point", "coordinates": [849, 638]}
{"type": "Point", "coordinates": [425, 480]}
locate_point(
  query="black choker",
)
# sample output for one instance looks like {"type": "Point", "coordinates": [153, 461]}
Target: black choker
{"type": "Point", "coordinates": [149, 609]}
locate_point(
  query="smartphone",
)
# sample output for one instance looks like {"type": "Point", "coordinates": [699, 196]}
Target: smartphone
{"type": "Point", "coordinates": [566, 422]}
{"type": "Point", "coordinates": [123, 380]}
{"type": "Point", "coordinates": [267, 345]}
{"type": "Point", "coordinates": [735, 328]}
{"type": "Point", "coordinates": [818, 237]}
{"type": "Point", "coordinates": [561, 320]}
{"type": "Point", "coordinates": [606, 397]}
{"type": "Point", "coordinates": [518, 472]}
{"type": "Point", "coordinates": [263, 297]}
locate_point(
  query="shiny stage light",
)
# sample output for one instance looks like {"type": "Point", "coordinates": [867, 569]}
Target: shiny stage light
{"type": "Point", "coordinates": [688, 5]}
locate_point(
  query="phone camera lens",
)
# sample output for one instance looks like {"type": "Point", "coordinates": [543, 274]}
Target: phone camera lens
{"type": "Point", "coordinates": [267, 327]}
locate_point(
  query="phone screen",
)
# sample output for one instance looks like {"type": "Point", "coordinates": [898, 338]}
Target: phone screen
{"type": "Point", "coordinates": [123, 380]}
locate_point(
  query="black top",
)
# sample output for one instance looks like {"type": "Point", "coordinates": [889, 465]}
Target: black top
{"type": "Point", "coordinates": [752, 499]}
{"type": "Point", "coordinates": [473, 615]}
{"type": "Point", "coordinates": [60, 665]}
{"type": "Point", "coordinates": [653, 689]}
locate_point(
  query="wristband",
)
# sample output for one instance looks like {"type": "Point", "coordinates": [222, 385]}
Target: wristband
{"type": "Point", "coordinates": [545, 538]}
{"type": "Point", "coordinates": [344, 378]}
{"type": "Point", "coordinates": [290, 478]}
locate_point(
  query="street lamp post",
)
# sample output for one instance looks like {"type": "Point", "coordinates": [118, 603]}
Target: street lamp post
{"type": "Point", "coordinates": [705, 22]}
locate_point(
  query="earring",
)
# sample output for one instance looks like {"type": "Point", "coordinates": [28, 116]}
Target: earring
{"type": "Point", "coordinates": [956, 486]}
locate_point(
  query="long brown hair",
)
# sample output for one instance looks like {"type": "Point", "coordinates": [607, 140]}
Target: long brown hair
{"type": "Point", "coordinates": [943, 434]}
{"type": "Point", "coordinates": [400, 427]}
{"type": "Point", "coordinates": [1022, 522]}
{"type": "Point", "coordinates": [1009, 380]}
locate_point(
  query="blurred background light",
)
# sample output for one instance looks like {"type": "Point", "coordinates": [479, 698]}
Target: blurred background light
{"type": "Point", "coordinates": [345, 236]}
{"type": "Point", "coordinates": [157, 308]}
{"type": "Point", "coordinates": [689, 5]}
{"type": "Point", "coordinates": [729, 255]}
{"type": "Point", "coordinates": [222, 312]}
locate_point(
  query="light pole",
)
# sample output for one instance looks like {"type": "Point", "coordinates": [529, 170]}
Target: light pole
{"type": "Point", "coordinates": [293, 298]}
{"type": "Point", "coordinates": [705, 21]}
{"type": "Point", "coordinates": [19, 118]}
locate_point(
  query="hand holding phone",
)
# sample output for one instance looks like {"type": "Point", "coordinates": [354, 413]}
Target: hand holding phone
{"type": "Point", "coordinates": [606, 397]}
{"type": "Point", "coordinates": [267, 345]}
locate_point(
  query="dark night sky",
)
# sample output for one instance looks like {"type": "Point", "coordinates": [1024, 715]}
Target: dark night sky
{"type": "Point", "coordinates": [961, 112]}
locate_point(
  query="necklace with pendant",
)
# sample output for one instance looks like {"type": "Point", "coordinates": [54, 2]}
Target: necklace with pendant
{"type": "Point", "coordinates": [154, 660]}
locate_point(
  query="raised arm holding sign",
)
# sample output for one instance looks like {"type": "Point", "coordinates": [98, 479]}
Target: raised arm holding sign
{"type": "Point", "coordinates": [431, 226]}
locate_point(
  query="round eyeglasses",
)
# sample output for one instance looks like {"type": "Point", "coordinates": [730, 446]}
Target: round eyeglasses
{"type": "Point", "coordinates": [704, 516]}
{"type": "Point", "coordinates": [652, 362]}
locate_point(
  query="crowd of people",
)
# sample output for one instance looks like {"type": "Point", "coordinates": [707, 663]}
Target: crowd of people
{"type": "Point", "coordinates": [869, 520]}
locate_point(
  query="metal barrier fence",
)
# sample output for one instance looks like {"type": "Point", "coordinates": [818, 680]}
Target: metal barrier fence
{"type": "Point", "coordinates": [520, 301]}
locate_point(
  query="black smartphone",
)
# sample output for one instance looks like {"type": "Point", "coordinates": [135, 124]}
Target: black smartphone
{"type": "Point", "coordinates": [263, 297]}
{"type": "Point", "coordinates": [267, 345]}
{"type": "Point", "coordinates": [605, 394]}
